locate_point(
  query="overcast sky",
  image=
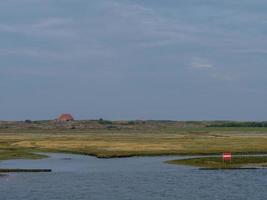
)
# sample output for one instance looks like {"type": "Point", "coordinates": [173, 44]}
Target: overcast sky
{"type": "Point", "coordinates": [133, 59]}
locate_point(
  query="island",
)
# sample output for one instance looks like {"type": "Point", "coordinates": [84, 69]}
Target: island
{"type": "Point", "coordinates": [213, 163]}
{"type": "Point", "coordinates": [110, 139]}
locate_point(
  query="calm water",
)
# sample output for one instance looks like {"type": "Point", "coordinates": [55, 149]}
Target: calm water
{"type": "Point", "coordinates": [83, 178]}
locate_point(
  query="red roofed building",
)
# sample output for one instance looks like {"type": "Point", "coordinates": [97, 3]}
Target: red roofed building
{"type": "Point", "coordinates": [65, 118]}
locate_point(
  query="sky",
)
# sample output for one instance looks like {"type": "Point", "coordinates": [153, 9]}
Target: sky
{"type": "Point", "coordinates": [133, 59]}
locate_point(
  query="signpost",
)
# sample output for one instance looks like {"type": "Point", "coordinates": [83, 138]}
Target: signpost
{"type": "Point", "coordinates": [227, 156]}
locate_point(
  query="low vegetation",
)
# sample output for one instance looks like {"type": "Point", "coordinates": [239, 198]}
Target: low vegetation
{"type": "Point", "coordinates": [17, 153]}
{"type": "Point", "coordinates": [106, 139]}
{"type": "Point", "coordinates": [218, 163]}
{"type": "Point", "coordinates": [238, 124]}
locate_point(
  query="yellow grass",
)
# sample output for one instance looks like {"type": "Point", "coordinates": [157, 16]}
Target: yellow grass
{"type": "Point", "coordinates": [129, 144]}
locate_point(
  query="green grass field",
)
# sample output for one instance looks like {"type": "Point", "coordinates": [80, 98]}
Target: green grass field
{"type": "Point", "coordinates": [17, 153]}
{"type": "Point", "coordinates": [218, 163]}
{"type": "Point", "coordinates": [123, 139]}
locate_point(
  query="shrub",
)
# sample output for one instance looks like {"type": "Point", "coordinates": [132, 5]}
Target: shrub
{"type": "Point", "coordinates": [101, 121]}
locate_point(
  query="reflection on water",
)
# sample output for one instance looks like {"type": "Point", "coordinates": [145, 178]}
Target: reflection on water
{"type": "Point", "coordinates": [84, 177]}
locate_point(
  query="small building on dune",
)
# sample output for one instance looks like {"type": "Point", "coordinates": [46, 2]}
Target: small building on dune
{"type": "Point", "coordinates": [65, 118]}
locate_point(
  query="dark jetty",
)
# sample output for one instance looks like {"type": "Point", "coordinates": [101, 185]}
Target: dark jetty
{"type": "Point", "coordinates": [24, 170]}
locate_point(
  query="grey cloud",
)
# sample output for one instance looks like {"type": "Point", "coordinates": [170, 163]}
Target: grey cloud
{"type": "Point", "coordinates": [47, 27]}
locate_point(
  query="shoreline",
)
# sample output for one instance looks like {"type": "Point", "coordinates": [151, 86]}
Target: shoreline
{"type": "Point", "coordinates": [41, 154]}
{"type": "Point", "coordinates": [241, 168]}
{"type": "Point", "coordinates": [216, 163]}
{"type": "Point", "coordinates": [204, 162]}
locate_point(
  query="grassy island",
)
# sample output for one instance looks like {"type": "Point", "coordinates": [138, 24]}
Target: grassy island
{"type": "Point", "coordinates": [217, 163]}
{"type": "Point", "coordinates": [17, 153]}
{"type": "Point", "coordinates": [108, 139]}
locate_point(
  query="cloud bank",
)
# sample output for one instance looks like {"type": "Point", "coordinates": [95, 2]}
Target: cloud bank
{"type": "Point", "coordinates": [133, 59]}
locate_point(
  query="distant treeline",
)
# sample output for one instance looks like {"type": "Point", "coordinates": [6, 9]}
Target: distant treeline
{"type": "Point", "coordinates": [239, 124]}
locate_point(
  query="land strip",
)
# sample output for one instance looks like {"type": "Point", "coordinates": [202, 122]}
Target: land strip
{"type": "Point", "coordinates": [238, 162]}
{"type": "Point", "coordinates": [106, 139]}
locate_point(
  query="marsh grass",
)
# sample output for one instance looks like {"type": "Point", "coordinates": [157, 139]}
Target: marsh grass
{"type": "Point", "coordinates": [108, 144]}
{"type": "Point", "coordinates": [19, 154]}
{"type": "Point", "coordinates": [218, 163]}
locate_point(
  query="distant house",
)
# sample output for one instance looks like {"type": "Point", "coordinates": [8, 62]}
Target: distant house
{"type": "Point", "coordinates": [65, 118]}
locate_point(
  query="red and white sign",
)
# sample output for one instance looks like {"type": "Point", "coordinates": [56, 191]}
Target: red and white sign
{"type": "Point", "coordinates": [227, 156]}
